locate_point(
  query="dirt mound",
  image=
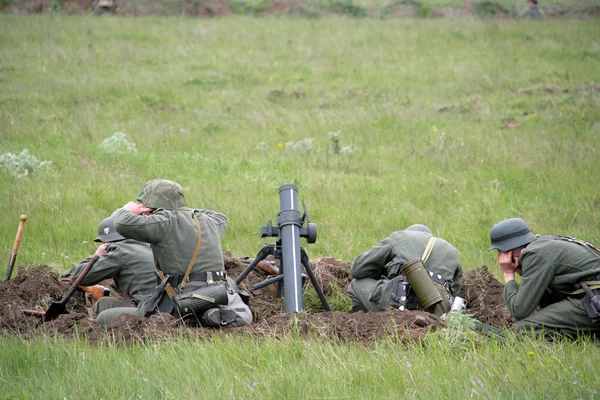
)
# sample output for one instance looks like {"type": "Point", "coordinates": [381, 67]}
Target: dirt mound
{"type": "Point", "coordinates": [484, 294]}
{"type": "Point", "coordinates": [359, 327]}
{"type": "Point", "coordinates": [35, 287]}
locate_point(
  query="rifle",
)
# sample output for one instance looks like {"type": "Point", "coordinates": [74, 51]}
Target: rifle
{"type": "Point", "coordinates": [152, 304]}
{"type": "Point", "coordinates": [96, 291]}
{"type": "Point", "coordinates": [265, 267]}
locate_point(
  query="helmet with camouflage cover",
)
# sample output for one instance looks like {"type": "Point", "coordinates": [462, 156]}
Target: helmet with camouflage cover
{"type": "Point", "coordinates": [510, 234]}
{"type": "Point", "coordinates": [107, 231]}
{"type": "Point", "coordinates": [162, 193]}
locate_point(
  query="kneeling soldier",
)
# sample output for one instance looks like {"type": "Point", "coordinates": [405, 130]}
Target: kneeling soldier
{"type": "Point", "coordinates": [128, 262]}
{"type": "Point", "coordinates": [187, 247]}
{"type": "Point", "coordinates": [411, 269]}
{"type": "Point", "coordinates": [561, 276]}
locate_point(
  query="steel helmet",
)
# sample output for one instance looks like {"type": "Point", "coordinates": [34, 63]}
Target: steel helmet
{"type": "Point", "coordinates": [162, 193]}
{"type": "Point", "coordinates": [107, 231]}
{"type": "Point", "coordinates": [510, 234]}
{"type": "Point", "coordinates": [419, 228]}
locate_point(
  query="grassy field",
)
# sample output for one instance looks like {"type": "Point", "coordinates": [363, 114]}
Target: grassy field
{"type": "Point", "coordinates": [455, 124]}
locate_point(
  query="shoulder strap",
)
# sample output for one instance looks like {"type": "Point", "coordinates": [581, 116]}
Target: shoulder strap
{"type": "Point", "coordinates": [428, 249]}
{"type": "Point", "coordinates": [580, 242]}
{"type": "Point", "coordinates": [161, 275]}
{"type": "Point", "coordinates": [193, 260]}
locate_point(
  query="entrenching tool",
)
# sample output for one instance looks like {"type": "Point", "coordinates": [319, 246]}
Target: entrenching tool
{"type": "Point", "coordinates": [13, 255]}
{"type": "Point", "coordinates": [58, 307]}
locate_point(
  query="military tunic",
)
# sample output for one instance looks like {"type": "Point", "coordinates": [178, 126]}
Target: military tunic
{"type": "Point", "coordinates": [173, 234]}
{"type": "Point", "coordinates": [372, 290]}
{"type": "Point", "coordinates": [131, 265]}
{"type": "Point", "coordinates": [551, 266]}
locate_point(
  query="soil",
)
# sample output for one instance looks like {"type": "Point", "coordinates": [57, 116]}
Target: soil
{"type": "Point", "coordinates": [35, 287]}
{"type": "Point", "coordinates": [219, 8]}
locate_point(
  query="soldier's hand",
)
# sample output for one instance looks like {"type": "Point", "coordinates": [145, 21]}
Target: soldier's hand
{"type": "Point", "coordinates": [508, 264]}
{"type": "Point", "coordinates": [101, 250]}
{"type": "Point", "coordinates": [136, 208]}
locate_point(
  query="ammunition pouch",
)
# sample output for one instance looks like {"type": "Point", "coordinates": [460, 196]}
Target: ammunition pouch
{"type": "Point", "coordinates": [393, 269]}
{"type": "Point", "coordinates": [194, 303]}
{"type": "Point", "coordinates": [158, 301]}
{"type": "Point", "coordinates": [591, 301]}
{"type": "Point", "coordinates": [403, 297]}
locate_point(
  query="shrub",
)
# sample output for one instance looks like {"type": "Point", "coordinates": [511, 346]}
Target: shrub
{"type": "Point", "coordinates": [22, 165]}
{"type": "Point", "coordinates": [118, 144]}
{"type": "Point", "coordinates": [487, 9]}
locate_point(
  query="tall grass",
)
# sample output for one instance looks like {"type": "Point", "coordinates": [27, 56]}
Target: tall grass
{"type": "Point", "coordinates": [455, 124]}
{"type": "Point", "coordinates": [211, 104]}
{"type": "Point", "coordinates": [290, 368]}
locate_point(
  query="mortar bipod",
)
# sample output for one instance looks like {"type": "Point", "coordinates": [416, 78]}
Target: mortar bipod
{"type": "Point", "coordinates": [275, 251]}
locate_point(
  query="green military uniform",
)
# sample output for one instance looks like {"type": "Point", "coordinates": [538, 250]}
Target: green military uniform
{"type": "Point", "coordinates": [131, 265]}
{"type": "Point", "coordinates": [551, 267]}
{"type": "Point", "coordinates": [172, 234]}
{"type": "Point", "coordinates": [371, 290]}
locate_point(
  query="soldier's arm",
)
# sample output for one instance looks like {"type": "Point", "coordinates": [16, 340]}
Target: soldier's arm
{"type": "Point", "coordinates": [144, 228]}
{"type": "Point", "coordinates": [522, 300]}
{"type": "Point", "coordinates": [371, 263]}
{"type": "Point", "coordinates": [457, 280]}
{"type": "Point", "coordinates": [107, 266]}
{"type": "Point", "coordinates": [219, 220]}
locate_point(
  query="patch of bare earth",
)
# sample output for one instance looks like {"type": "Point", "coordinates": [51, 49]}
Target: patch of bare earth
{"type": "Point", "coordinates": [35, 287]}
{"type": "Point", "coordinates": [485, 296]}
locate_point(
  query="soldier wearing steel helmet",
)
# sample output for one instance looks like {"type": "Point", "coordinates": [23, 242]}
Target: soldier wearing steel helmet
{"type": "Point", "coordinates": [378, 280]}
{"type": "Point", "coordinates": [556, 270]}
{"type": "Point", "coordinates": [128, 262]}
{"type": "Point", "coordinates": [162, 219]}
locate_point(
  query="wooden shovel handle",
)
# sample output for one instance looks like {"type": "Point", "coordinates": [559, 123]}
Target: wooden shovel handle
{"type": "Point", "coordinates": [19, 235]}
{"type": "Point", "coordinates": [13, 255]}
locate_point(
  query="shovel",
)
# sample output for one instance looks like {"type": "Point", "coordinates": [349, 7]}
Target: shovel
{"type": "Point", "coordinates": [58, 307]}
{"type": "Point", "coordinates": [13, 255]}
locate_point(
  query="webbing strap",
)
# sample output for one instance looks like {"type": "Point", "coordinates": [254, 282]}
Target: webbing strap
{"type": "Point", "coordinates": [580, 242]}
{"type": "Point", "coordinates": [591, 284]}
{"type": "Point", "coordinates": [193, 260]}
{"type": "Point", "coordinates": [428, 249]}
{"type": "Point", "coordinates": [170, 292]}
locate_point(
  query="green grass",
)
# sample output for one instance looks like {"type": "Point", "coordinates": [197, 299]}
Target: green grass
{"type": "Point", "coordinates": [291, 368]}
{"type": "Point", "coordinates": [455, 124]}
{"type": "Point", "coordinates": [197, 97]}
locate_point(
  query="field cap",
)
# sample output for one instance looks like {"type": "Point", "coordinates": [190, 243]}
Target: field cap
{"type": "Point", "coordinates": [510, 234]}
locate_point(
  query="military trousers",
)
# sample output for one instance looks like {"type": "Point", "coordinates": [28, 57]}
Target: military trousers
{"type": "Point", "coordinates": [376, 295]}
{"type": "Point", "coordinates": [567, 316]}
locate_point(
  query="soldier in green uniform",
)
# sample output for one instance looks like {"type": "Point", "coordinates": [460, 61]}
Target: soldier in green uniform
{"type": "Point", "coordinates": [378, 278]}
{"type": "Point", "coordinates": [128, 262]}
{"type": "Point", "coordinates": [532, 10]}
{"type": "Point", "coordinates": [163, 220]}
{"type": "Point", "coordinates": [555, 269]}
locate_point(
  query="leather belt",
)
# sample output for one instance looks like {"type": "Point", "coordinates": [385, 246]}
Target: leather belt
{"type": "Point", "coordinates": [209, 277]}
